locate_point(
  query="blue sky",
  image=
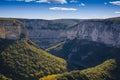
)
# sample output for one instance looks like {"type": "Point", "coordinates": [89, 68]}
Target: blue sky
{"type": "Point", "coordinates": [58, 9]}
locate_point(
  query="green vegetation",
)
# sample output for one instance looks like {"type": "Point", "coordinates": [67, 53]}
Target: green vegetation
{"type": "Point", "coordinates": [56, 46]}
{"type": "Point", "coordinates": [80, 54]}
{"type": "Point", "coordinates": [21, 60]}
{"type": "Point", "coordinates": [2, 77]}
{"type": "Point", "coordinates": [106, 71]}
{"type": "Point", "coordinates": [4, 43]}
{"type": "Point", "coordinates": [22, 36]}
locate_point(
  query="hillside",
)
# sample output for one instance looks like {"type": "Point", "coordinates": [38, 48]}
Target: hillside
{"type": "Point", "coordinates": [109, 70]}
{"type": "Point", "coordinates": [29, 48]}
{"type": "Point", "coordinates": [80, 54]}
{"type": "Point", "coordinates": [21, 60]}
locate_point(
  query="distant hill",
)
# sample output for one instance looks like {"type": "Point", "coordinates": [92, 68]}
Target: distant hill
{"type": "Point", "coordinates": [21, 60]}
{"type": "Point", "coordinates": [109, 70]}
{"type": "Point", "coordinates": [114, 19]}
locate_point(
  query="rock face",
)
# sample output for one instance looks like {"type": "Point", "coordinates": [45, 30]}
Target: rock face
{"type": "Point", "coordinates": [49, 33]}
{"type": "Point", "coordinates": [99, 31]}
{"type": "Point", "coordinates": [83, 41]}
{"type": "Point", "coordinates": [2, 32]}
{"type": "Point", "coordinates": [11, 29]}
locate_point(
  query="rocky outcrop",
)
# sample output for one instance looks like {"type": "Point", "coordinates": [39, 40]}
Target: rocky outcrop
{"type": "Point", "coordinates": [49, 33]}
{"type": "Point", "coordinates": [11, 29]}
{"type": "Point", "coordinates": [107, 32]}
{"type": "Point", "coordinates": [2, 32]}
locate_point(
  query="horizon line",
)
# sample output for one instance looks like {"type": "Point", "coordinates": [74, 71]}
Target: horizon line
{"type": "Point", "coordinates": [58, 18]}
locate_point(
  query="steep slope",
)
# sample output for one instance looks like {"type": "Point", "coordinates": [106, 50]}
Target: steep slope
{"type": "Point", "coordinates": [12, 29]}
{"type": "Point", "coordinates": [81, 54]}
{"type": "Point", "coordinates": [47, 33]}
{"type": "Point", "coordinates": [103, 31]}
{"type": "Point", "coordinates": [109, 70]}
{"type": "Point", "coordinates": [21, 60]}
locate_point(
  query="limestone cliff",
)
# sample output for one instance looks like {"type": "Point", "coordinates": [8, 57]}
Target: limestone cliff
{"type": "Point", "coordinates": [106, 31]}
{"type": "Point", "coordinates": [11, 29]}
{"type": "Point", "coordinates": [47, 33]}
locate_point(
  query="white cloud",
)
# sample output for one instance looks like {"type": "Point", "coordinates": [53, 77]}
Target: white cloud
{"type": "Point", "coordinates": [25, 0]}
{"type": "Point", "coordinates": [28, 0]}
{"type": "Point", "coordinates": [81, 4]}
{"type": "Point", "coordinates": [43, 1]}
{"type": "Point", "coordinates": [117, 12]}
{"type": "Point", "coordinates": [52, 1]}
{"type": "Point", "coordinates": [62, 9]}
{"type": "Point", "coordinates": [73, 1]}
{"type": "Point", "coordinates": [115, 3]}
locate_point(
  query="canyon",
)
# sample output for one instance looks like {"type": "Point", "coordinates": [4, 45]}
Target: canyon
{"type": "Point", "coordinates": [47, 33]}
{"type": "Point", "coordinates": [57, 46]}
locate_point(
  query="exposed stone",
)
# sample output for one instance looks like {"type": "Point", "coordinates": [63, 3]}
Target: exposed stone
{"type": "Point", "coordinates": [11, 29]}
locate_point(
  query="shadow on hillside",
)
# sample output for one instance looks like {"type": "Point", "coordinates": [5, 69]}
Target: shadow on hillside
{"type": "Point", "coordinates": [4, 43]}
{"type": "Point", "coordinates": [83, 54]}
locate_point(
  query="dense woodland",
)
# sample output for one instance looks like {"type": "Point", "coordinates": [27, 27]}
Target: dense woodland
{"type": "Point", "coordinates": [23, 60]}
{"type": "Point", "coordinates": [109, 70]}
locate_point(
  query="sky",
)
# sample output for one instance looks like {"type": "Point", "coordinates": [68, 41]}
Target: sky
{"type": "Point", "coordinates": [59, 9]}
